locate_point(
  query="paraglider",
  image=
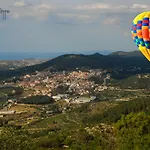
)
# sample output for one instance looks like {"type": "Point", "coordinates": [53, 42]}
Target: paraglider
{"type": "Point", "coordinates": [141, 33]}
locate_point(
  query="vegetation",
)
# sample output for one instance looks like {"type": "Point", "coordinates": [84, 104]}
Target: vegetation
{"type": "Point", "coordinates": [39, 99]}
{"type": "Point", "coordinates": [96, 79]}
{"type": "Point", "coordinates": [114, 95]}
{"type": "Point", "coordinates": [100, 125]}
{"type": "Point", "coordinates": [114, 114]}
{"type": "Point", "coordinates": [61, 89]}
{"type": "Point", "coordinates": [10, 91]}
{"type": "Point", "coordinates": [15, 139]}
{"type": "Point", "coordinates": [134, 82]}
{"type": "Point", "coordinates": [133, 132]}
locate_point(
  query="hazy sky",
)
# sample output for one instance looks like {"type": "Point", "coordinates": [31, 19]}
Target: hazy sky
{"type": "Point", "coordinates": [68, 25]}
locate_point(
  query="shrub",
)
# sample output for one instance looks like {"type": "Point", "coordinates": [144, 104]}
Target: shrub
{"type": "Point", "coordinates": [39, 99]}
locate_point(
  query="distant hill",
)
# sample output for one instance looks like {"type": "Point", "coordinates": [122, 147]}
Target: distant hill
{"type": "Point", "coordinates": [73, 61]}
{"type": "Point", "coordinates": [127, 54]}
{"type": "Point", "coordinates": [14, 64]}
{"type": "Point", "coordinates": [140, 81]}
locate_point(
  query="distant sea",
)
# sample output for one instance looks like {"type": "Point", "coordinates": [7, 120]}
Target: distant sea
{"type": "Point", "coordinates": [40, 55]}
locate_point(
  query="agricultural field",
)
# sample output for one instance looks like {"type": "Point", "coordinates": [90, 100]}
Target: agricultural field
{"type": "Point", "coordinates": [83, 126]}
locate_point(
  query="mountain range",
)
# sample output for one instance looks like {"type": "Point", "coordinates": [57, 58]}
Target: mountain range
{"type": "Point", "coordinates": [127, 54]}
{"type": "Point", "coordinates": [121, 60]}
{"type": "Point", "coordinates": [44, 55]}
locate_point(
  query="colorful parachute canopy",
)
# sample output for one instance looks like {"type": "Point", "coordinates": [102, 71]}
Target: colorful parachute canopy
{"type": "Point", "coordinates": [141, 33]}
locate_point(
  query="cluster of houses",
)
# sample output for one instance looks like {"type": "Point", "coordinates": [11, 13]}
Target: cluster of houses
{"type": "Point", "coordinates": [77, 99]}
{"type": "Point", "coordinates": [44, 83]}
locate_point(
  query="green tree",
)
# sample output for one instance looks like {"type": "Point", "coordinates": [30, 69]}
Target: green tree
{"type": "Point", "coordinates": [133, 132]}
{"type": "Point", "coordinates": [12, 139]}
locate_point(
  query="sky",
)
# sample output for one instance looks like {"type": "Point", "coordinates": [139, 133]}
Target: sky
{"type": "Point", "coordinates": [68, 25]}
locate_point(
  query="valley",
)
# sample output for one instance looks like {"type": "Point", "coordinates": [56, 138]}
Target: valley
{"type": "Point", "coordinates": [80, 108]}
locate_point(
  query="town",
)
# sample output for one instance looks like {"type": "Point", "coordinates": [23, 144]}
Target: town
{"type": "Point", "coordinates": [74, 87]}
{"type": "Point", "coordinates": [57, 84]}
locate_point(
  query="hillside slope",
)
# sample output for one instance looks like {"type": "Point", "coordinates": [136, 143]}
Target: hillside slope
{"type": "Point", "coordinates": [73, 61]}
